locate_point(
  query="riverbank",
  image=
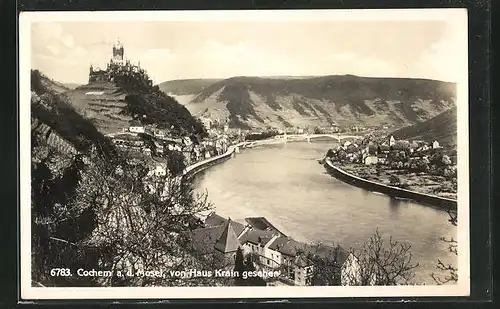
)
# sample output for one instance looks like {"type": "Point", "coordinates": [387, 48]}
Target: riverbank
{"type": "Point", "coordinates": [418, 182]}
{"type": "Point", "coordinates": [382, 184]}
{"type": "Point", "coordinates": [192, 169]}
{"type": "Point", "coordinates": [287, 186]}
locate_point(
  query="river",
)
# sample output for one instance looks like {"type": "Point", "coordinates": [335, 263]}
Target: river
{"type": "Point", "coordinates": [285, 184]}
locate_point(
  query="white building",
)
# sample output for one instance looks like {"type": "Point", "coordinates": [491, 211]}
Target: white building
{"type": "Point", "coordinates": [159, 134]}
{"type": "Point", "coordinates": [371, 160]}
{"type": "Point", "coordinates": [392, 141]}
{"type": "Point", "coordinates": [207, 123]}
{"type": "Point", "coordinates": [158, 170]}
{"type": "Point", "coordinates": [273, 250]}
{"type": "Point", "coordinates": [136, 129]}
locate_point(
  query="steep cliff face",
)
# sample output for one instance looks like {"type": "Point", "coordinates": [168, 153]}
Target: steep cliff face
{"type": "Point", "coordinates": [55, 122]}
{"type": "Point", "coordinates": [281, 102]}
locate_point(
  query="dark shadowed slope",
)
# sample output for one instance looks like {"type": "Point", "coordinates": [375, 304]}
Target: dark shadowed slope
{"type": "Point", "coordinates": [52, 115]}
{"type": "Point", "coordinates": [442, 128]}
{"type": "Point", "coordinates": [259, 102]}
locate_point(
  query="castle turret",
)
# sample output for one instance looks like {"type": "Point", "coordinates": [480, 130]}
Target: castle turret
{"type": "Point", "coordinates": [118, 52]}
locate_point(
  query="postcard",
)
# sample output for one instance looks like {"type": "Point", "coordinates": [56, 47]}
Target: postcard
{"type": "Point", "coordinates": [244, 154]}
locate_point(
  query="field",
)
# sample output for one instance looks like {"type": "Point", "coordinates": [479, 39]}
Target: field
{"type": "Point", "coordinates": [421, 182]}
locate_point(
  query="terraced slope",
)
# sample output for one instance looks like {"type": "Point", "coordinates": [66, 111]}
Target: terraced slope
{"type": "Point", "coordinates": [102, 103]}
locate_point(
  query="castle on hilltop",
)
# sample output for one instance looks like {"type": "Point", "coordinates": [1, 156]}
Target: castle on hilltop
{"type": "Point", "coordinates": [119, 67]}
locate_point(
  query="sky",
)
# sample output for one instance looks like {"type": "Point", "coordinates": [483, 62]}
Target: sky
{"type": "Point", "coordinates": [181, 49]}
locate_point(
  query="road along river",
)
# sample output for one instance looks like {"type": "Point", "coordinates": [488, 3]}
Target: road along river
{"type": "Point", "coordinates": [285, 184]}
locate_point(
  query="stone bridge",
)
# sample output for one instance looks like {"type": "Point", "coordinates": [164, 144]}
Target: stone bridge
{"type": "Point", "coordinates": [337, 137]}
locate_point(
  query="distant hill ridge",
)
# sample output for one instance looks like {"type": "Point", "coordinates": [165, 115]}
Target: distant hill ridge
{"type": "Point", "coordinates": [442, 128]}
{"type": "Point", "coordinates": [257, 102]}
{"type": "Point", "coordinates": [186, 86]}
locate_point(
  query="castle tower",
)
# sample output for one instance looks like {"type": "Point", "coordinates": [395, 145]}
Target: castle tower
{"type": "Point", "coordinates": [118, 52]}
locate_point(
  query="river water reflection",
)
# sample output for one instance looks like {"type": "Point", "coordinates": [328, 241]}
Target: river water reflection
{"type": "Point", "coordinates": [285, 184]}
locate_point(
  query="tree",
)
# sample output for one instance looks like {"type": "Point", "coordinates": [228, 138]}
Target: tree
{"type": "Point", "coordinates": [239, 266]}
{"type": "Point", "coordinates": [446, 160]}
{"type": "Point", "coordinates": [329, 153]}
{"type": "Point", "coordinates": [317, 130]}
{"type": "Point", "coordinates": [436, 159]}
{"type": "Point", "coordinates": [59, 229]}
{"type": "Point", "coordinates": [422, 165]}
{"type": "Point", "coordinates": [142, 224]}
{"type": "Point", "coordinates": [394, 180]}
{"type": "Point", "coordinates": [327, 264]}
{"type": "Point", "coordinates": [341, 155]}
{"type": "Point", "coordinates": [176, 163]}
{"type": "Point", "coordinates": [110, 220]}
{"type": "Point", "coordinates": [379, 262]}
{"type": "Point", "coordinates": [249, 266]}
{"type": "Point", "coordinates": [452, 271]}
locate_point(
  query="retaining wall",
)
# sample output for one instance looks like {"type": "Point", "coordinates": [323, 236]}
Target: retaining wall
{"type": "Point", "coordinates": [423, 198]}
{"type": "Point", "coordinates": [191, 170]}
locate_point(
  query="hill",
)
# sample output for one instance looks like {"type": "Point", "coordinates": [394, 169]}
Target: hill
{"type": "Point", "coordinates": [257, 102]}
{"type": "Point", "coordinates": [41, 83]}
{"type": "Point", "coordinates": [113, 105]}
{"type": "Point", "coordinates": [186, 86]}
{"type": "Point", "coordinates": [55, 121]}
{"type": "Point", "coordinates": [71, 86]}
{"type": "Point", "coordinates": [442, 128]}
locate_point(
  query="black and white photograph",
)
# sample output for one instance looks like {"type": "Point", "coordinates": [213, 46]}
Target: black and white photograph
{"type": "Point", "coordinates": [178, 154]}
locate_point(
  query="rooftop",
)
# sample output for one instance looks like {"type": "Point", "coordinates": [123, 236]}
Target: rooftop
{"type": "Point", "coordinates": [215, 220]}
{"type": "Point", "coordinates": [262, 223]}
{"type": "Point", "coordinates": [228, 241]}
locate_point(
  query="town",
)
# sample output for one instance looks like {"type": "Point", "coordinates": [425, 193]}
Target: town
{"type": "Point", "coordinates": [254, 246]}
{"type": "Point", "coordinates": [267, 250]}
{"type": "Point", "coordinates": [425, 167]}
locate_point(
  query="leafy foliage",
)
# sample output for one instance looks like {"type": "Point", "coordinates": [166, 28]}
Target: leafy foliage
{"type": "Point", "coordinates": [151, 106]}
{"type": "Point", "coordinates": [239, 266]}
{"type": "Point", "coordinates": [59, 228]}
{"type": "Point", "coordinates": [176, 163]}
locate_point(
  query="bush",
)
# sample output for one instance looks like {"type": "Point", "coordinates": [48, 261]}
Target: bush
{"type": "Point", "coordinates": [394, 180]}
{"type": "Point", "coordinates": [176, 163]}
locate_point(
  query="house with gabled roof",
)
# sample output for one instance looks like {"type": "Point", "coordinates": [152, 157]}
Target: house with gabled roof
{"type": "Point", "coordinates": [228, 241]}
{"type": "Point", "coordinates": [222, 237]}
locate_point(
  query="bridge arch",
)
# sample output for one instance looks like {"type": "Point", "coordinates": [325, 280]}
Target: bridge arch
{"type": "Point", "coordinates": [337, 137]}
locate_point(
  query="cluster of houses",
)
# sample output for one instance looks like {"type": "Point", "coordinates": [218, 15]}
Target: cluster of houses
{"type": "Point", "coordinates": [385, 152]}
{"type": "Point", "coordinates": [269, 247]}
{"type": "Point", "coordinates": [156, 143]}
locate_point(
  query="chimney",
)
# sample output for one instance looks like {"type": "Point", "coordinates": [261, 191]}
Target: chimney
{"type": "Point", "coordinates": [247, 228]}
{"type": "Point", "coordinates": [275, 236]}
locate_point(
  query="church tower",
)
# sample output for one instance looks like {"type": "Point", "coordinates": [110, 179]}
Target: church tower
{"type": "Point", "coordinates": [118, 52]}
